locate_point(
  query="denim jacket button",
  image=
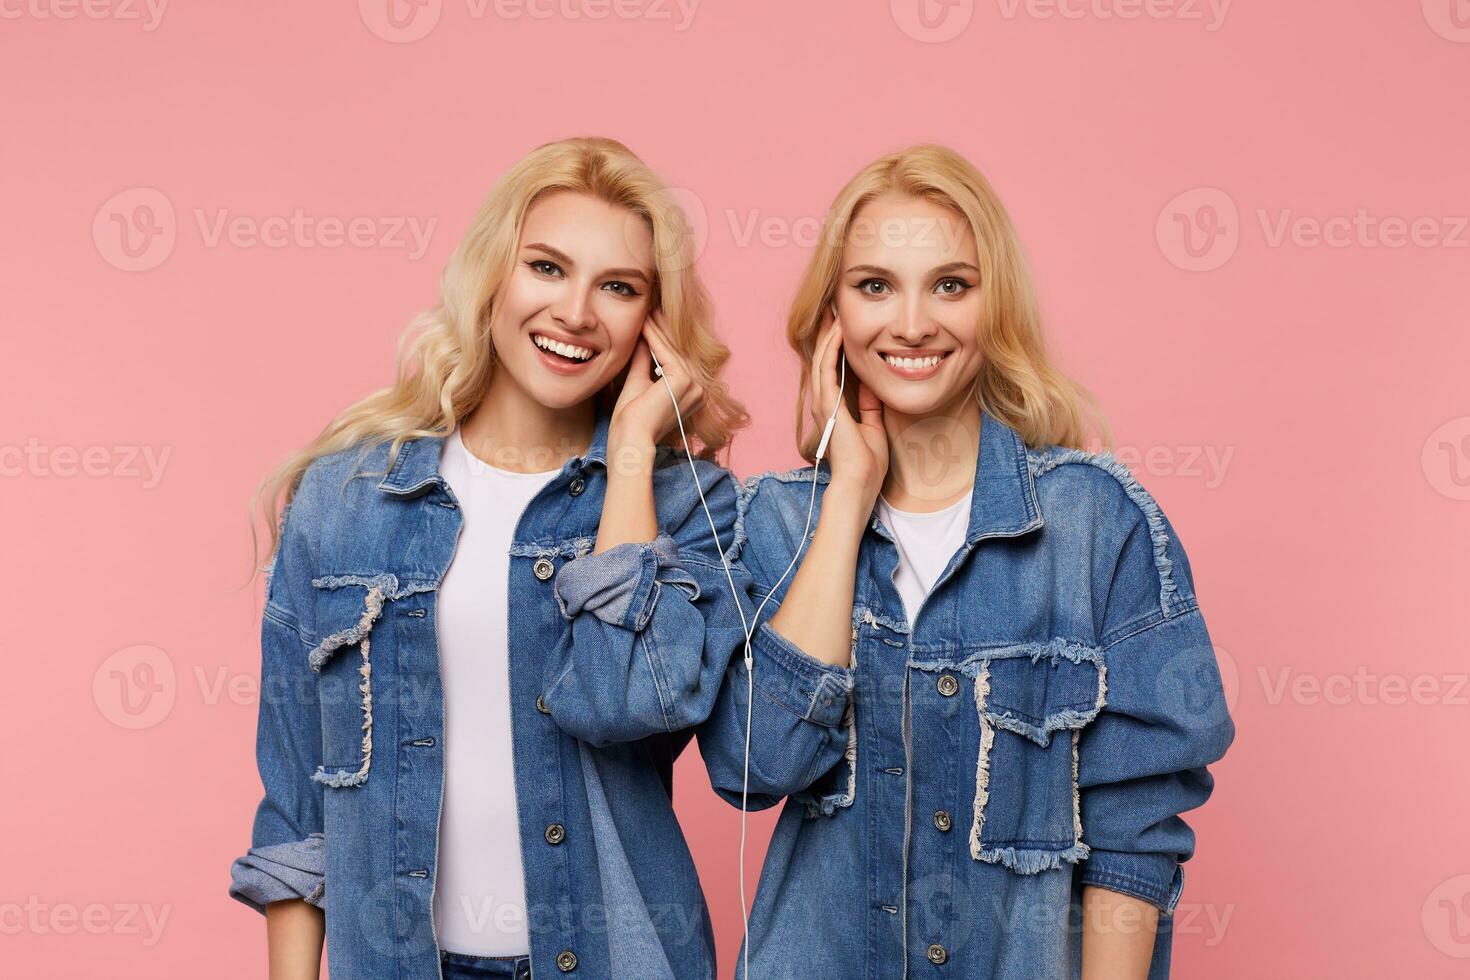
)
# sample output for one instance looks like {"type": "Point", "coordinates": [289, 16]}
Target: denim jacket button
{"type": "Point", "coordinates": [576, 487]}
{"type": "Point", "coordinates": [948, 685]}
{"type": "Point", "coordinates": [541, 706]}
{"type": "Point", "coordinates": [555, 834]}
{"type": "Point", "coordinates": [566, 961]}
{"type": "Point", "coordinates": [937, 954]}
{"type": "Point", "coordinates": [542, 569]}
{"type": "Point", "coordinates": [942, 820]}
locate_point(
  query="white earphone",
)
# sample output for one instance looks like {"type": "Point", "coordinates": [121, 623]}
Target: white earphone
{"type": "Point", "coordinates": [745, 625]}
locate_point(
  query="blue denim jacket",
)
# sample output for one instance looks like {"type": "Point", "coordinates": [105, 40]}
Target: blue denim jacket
{"type": "Point", "coordinates": [610, 664]}
{"type": "Point", "coordinates": [1039, 727]}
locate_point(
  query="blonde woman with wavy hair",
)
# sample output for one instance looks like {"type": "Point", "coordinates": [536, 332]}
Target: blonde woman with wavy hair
{"type": "Point", "coordinates": [987, 692]}
{"type": "Point", "coordinates": [485, 632]}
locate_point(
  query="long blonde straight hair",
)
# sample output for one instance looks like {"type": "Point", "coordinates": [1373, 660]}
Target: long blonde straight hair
{"type": "Point", "coordinates": [445, 356]}
{"type": "Point", "coordinates": [1018, 383]}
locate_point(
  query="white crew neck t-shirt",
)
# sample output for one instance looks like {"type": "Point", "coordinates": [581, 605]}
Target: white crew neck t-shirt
{"type": "Point", "coordinates": [480, 891]}
{"type": "Point", "coordinates": [926, 542]}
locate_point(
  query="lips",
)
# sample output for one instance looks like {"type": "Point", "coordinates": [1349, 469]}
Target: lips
{"type": "Point", "coordinates": [914, 365]}
{"type": "Point", "coordinates": [564, 349]}
{"type": "Point", "coordinates": [548, 352]}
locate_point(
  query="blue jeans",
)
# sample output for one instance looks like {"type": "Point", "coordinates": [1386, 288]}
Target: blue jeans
{"type": "Point", "coordinates": [463, 966]}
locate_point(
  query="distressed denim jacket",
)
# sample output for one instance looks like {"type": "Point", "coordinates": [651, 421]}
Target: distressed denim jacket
{"type": "Point", "coordinates": [610, 664]}
{"type": "Point", "coordinates": [1039, 726]}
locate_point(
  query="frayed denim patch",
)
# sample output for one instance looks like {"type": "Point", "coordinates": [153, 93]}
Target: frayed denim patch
{"type": "Point", "coordinates": [359, 633]}
{"type": "Point", "coordinates": [982, 761]}
{"type": "Point", "coordinates": [568, 548]}
{"type": "Point", "coordinates": [993, 717]}
{"type": "Point", "coordinates": [971, 663]}
{"type": "Point", "coordinates": [878, 619]}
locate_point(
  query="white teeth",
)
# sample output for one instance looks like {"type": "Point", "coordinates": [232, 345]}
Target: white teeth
{"type": "Point", "coordinates": [566, 350]}
{"type": "Point", "coordinates": [913, 363]}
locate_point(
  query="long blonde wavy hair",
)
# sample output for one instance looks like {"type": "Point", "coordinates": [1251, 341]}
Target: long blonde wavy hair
{"type": "Point", "coordinates": [1018, 383]}
{"type": "Point", "coordinates": [445, 356]}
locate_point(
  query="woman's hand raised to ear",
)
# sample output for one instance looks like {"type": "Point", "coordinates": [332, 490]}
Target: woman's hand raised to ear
{"type": "Point", "coordinates": [858, 450]}
{"type": "Point", "coordinates": [644, 413]}
{"type": "Point", "coordinates": [816, 613]}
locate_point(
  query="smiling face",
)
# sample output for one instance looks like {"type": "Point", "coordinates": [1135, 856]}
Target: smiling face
{"type": "Point", "coordinates": [908, 296]}
{"type": "Point", "coordinates": [569, 314]}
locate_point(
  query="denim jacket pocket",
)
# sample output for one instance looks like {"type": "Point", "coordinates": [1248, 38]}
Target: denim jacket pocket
{"type": "Point", "coordinates": [1032, 702]}
{"type": "Point", "coordinates": [347, 609]}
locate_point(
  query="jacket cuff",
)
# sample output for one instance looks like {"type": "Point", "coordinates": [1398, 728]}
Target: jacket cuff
{"type": "Point", "coordinates": [296, 869]}
{"type": "Point", "coordinates": [1155, 878]}
{"type": "Point", "coordinates": [810, 689]}
{"type": "Point", "coordinates": [620, 586]}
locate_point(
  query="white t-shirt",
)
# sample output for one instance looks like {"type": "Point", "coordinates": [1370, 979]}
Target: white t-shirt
{"type": "Point", "coordinates": [480, 891]}
{"type": "Point", "coordinates": [926, 542]}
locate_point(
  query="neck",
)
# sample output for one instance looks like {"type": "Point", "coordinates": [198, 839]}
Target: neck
{"type": "Point", "coordinates": [514, 431]}
{"type": "Point", "coordinates": [931, 457]}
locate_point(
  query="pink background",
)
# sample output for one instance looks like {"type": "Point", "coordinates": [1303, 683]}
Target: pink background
{"type": "Point", "coordinates": [1296, 400]}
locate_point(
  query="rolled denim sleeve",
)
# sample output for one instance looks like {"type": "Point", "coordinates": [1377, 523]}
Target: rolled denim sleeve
{"type": "Point", "coordinates": [295, 869]}
{"type": "Point", "coordinates": [797, 706]}
{"type": "Point", "coordinates": [285, 859]}
{"type": "Point", "coordinates": [652, 626]}
{"type": "Point", "coordinates": [1143, 761]}
{"type": "Point", "coordinates": [620, 586]}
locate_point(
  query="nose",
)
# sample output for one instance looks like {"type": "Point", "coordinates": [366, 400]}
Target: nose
{"type": "Point", "coordinates": [914, 324]}
{"type": "Point", "coordinates": [574, 310]}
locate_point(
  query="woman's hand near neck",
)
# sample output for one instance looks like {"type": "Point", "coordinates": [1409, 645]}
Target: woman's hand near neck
{"type": "Point", "coordinates": [511, 430]}
{"type": "Point", "coordinates": [931, 458]}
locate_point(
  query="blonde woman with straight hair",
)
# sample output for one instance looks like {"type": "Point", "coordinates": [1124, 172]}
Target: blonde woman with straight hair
{"type": "Point", "coordinates": [987, 692]}
{"type": "Point", "coordinates": [485, 632]}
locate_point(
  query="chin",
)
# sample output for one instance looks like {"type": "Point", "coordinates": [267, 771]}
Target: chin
{"type": "Point", "coordinates": [563, 399]}
{"type": "Point", "coordinates": [550, 391]}
{"type": "Point", "coordinates": [910, 402]}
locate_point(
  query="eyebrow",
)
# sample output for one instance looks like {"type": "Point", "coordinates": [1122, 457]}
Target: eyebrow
{"type": "Point", "coordinates": [948, 267]}
{"type": "Point", "coordinates": [566, 259]}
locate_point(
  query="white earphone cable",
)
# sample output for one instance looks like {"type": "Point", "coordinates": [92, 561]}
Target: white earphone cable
{"type": "Point", "coordinates": [745, 625]}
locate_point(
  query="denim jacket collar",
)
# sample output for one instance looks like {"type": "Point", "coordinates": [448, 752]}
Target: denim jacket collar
{"type": "Point", "coordinates": [1003, 500]}
{"type": "Point", "coordinates": [417, 465]}
{"type": "Point", "coordinates": [1003, 495]}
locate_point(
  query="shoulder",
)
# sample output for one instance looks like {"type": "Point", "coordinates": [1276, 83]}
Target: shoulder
{"type": "Point", "coordinates": [773, 509]}
{"type": "Point", "coordinates": [674, 486]}
{"type": "Point", "coordinates": [671, 465]}
{"type": "Point", "coordinates": [342, 477]}
{"type": "Point", "coordinates": [1096, 495]}
{"type": "Point", "coordinates": [1097, 483]}
{"type": "Point", "coordinates": [782, 492]}
{"type": "Point", "coordinates": [307, 522]}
